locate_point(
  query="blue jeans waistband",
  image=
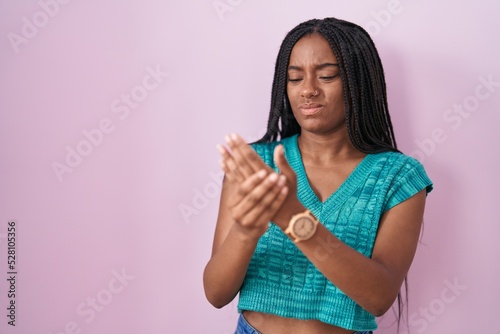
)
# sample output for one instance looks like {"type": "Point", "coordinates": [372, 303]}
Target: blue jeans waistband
{"type": "Point", "coordinates": [243, 327]}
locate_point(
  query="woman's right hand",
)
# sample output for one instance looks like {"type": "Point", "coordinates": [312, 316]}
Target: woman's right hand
{"type": "Point", "coordinates": [256, 200]}
{"type": "Point", "coordinates": [252, 193]}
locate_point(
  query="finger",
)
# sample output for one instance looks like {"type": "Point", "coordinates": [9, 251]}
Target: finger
{"type": "Point", "coordinates": [233, 141]}
{"type": "Point", "coordinates": [268, 206]}
{"type": "Point", "coordinates": [257, 201]}
{"type": "Point", "coordinates": [269, 214]}
{"type": "Point", "coordinates": [232, 175]}
{"type": "Point", "coordinates": [228, 166]}
{"type": "Point", "coordinates": [247, 186]}
{"type": "Point", "coordinates": [242, 149]}
{"type": "Point", "coordinates": [282, 163]}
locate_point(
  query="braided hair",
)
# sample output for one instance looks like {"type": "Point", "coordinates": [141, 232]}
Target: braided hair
{"type": "Point", "coordinates": [366, 112]}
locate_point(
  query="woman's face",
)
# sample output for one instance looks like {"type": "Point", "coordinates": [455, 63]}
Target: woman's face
{"type": "Point", "coordinates": [314, 86]}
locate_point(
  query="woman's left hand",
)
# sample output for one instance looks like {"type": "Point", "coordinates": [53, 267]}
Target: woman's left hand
{"type": "Point", "coordinates": [241, 162]}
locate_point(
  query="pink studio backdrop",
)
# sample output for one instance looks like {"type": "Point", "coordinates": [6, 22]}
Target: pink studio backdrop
{"type": "Point", "coordinates": [109, 116]}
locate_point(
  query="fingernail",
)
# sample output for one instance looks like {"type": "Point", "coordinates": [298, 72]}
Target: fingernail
{"type": "Point", "coordinates": [282, 180]}
{"type": "Point", "coordinates": [273, 177]}
{"type": "Point", "coordinates": [228, 139]}
{"type": "Point", "coordinates": [261, 173]}
{"type": "Point", "coordinates": [219, 148]}
{"type": "Point", "coordinates": [234, 137]}
{"type": "Point", "coordinates": [284, 190]}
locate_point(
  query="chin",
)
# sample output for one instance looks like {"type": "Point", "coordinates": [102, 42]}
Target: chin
{"type": "Point", "coordinates": [320, 128]}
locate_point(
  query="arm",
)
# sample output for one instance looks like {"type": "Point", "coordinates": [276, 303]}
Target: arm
{"type": "Point", "coordinates": [245, 210]}
{"type": "Point", "coordinates": [373, 282]}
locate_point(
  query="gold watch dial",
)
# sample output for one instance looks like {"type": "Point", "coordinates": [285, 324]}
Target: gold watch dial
{"type": "Point", "coordinates": [303, 227]}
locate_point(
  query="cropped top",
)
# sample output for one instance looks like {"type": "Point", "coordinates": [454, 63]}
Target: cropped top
{"type": "Point", "coordinates": [280, 280]}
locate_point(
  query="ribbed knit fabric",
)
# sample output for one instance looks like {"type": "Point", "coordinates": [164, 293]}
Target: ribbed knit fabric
{"type": "Point", "coordinates": [280, 280]}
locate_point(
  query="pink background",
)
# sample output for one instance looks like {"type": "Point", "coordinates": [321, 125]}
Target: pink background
{"type": "Point", "coordinates": [118, 211]}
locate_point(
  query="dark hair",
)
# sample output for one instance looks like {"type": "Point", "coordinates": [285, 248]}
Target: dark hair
{"type": "Point", "coordinates": [366, 111]}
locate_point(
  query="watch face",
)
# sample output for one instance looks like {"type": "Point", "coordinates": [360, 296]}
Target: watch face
{"type": "Point", "coordinates": [303, 227]}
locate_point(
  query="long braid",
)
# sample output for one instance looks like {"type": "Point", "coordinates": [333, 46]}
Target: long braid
{"type": "Point", "coordinates": [280, 108]}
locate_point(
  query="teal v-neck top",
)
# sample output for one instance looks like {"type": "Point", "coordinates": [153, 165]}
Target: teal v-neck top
{"type": "Point", "coordinates": [280, 280]}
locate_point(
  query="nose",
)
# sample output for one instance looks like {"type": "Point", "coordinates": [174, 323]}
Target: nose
{"type": "Point", "coordinates": [309, 90]}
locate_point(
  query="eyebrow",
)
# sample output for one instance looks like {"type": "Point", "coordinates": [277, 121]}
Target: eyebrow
{"type": "Point", "coordinates": [318, 67]}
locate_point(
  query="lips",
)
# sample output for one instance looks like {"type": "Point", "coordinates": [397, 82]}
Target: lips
{"type": "Point", "coordinates": [310, 108]}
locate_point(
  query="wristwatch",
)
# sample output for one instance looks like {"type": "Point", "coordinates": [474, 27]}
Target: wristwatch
{"type": "Point", "coordinates": [302, 226]}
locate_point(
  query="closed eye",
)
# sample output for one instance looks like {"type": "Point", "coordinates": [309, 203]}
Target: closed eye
{"type": "Point", "coordinates": [331, 77]}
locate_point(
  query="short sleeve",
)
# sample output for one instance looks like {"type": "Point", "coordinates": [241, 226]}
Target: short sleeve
{"type": "Point", "coordinates": [409, 179]}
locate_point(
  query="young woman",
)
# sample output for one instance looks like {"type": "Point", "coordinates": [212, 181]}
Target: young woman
{"type": "Point", "coordinates": [319, 220]}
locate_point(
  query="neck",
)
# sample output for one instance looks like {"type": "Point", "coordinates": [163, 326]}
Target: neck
{"type": "Point", "coordinates": [325, 150]}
